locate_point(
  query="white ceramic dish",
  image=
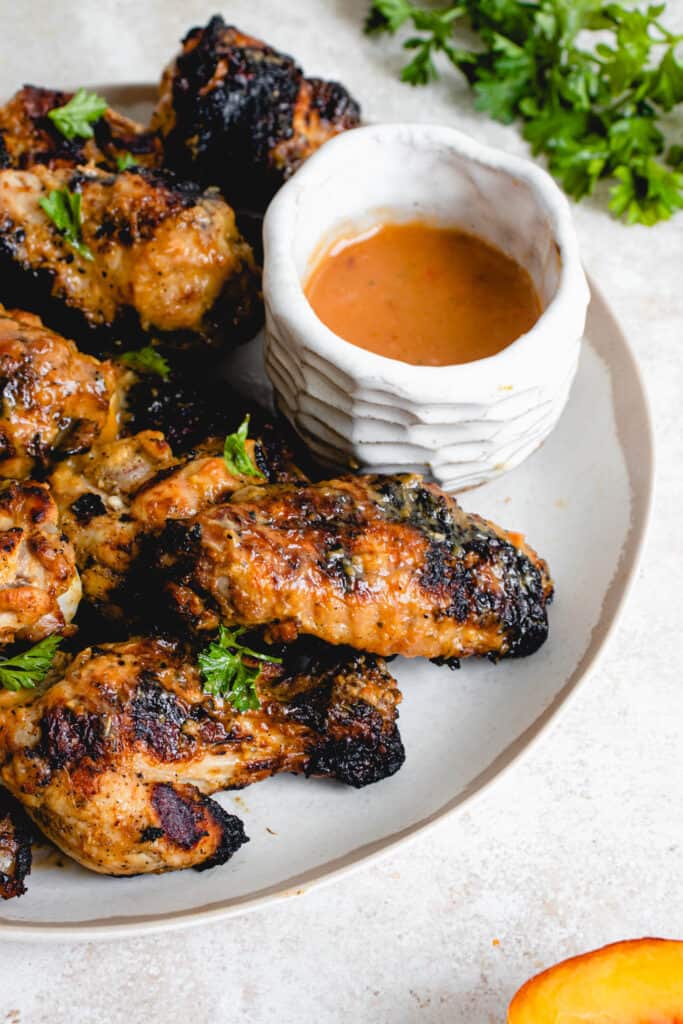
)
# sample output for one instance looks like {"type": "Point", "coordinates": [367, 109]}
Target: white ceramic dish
{"type": "Point", "coordinates": [464, 424]}
{"type": "Point", "coordinates": [584, 500]}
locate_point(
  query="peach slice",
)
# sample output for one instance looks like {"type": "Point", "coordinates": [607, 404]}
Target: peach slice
{"type": "Point", "coordinates": [635, 982]}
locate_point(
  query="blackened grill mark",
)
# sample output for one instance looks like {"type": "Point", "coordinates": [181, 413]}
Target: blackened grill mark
{"type": "Point", "coordinates": [232, 835]}
{"type": "Point", "coordinates": [88, 506]}
{"type": "Point", "coordinates": [180, 814]}
{"type": "Point", "coordinates": [157, 718]}
{"type": "Point", "coordinates": [366, 754]}
{"type": "Point", "coordinates": [67, 738]}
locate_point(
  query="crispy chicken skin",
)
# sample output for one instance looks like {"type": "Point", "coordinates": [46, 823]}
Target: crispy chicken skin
{"type": "Point", "coordinates": [235, 113]}
{"type": "Point", "coordinates": [116, 760]}
{"type": "Point", "coordinates": [389, 564]}
{"type": "Point", "coordinates": [39, 584]}
{"type": "Point", "coordinates": [167, 259]}
{"type": "Point", "coordinates": [55, 400]}
{"type": "Point", "coordinates": [28, 136]}
{"type": "Point", "coordinates": [15, 848]}
{"type": "Point", "coordinates": [113, 496]}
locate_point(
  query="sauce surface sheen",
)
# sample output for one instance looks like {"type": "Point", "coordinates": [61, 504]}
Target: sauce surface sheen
{"type": "Point", "coordinates": [424, 295]}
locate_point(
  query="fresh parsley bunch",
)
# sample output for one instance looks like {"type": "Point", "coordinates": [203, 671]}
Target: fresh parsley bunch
{"type": "Point", "coordinates": [595, 111]}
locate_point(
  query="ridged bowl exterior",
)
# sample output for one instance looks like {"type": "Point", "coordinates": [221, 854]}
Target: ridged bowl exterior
{"type": "Point", "coordinates": [463, 424]}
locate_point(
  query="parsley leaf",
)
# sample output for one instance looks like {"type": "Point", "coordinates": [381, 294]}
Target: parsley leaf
{"type": "Point", "coordinates": [147, 360]}
{"type": "Point", "coordinates": [592, 104]}
{"type": "Point", "coordinates": [24, 671]}
{"type": "Point", "coordinates": [75, 118]}
{"type": "Point", "coordinates": [64, 210]}
{"type": "Point", "coordinates": [224, 673]}
{"type": "Point", "coordinates": [235, 453]}
{"type": "Point", "coordinates": [124, 161]}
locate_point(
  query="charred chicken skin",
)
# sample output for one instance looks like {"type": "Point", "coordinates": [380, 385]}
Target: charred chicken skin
{"type": "Point", "coordinates": [161, 256]}
{"type": "Point", "coordinates": [235, 113]}
{"type": "Point", "coordinates": [386, 564]}
{"type": "Point", "coordinates": [115, 761]}
{"type": "Point", "coordinates": [39, 584]}
{"type": "Point", "coordinates": [113, 496]}
{"type": "Point", "coordinates": [28, 136]}
{"type": "Point", "coordinates": [15, 848]}
{"type": "Point", "coordinates": [55, 400]}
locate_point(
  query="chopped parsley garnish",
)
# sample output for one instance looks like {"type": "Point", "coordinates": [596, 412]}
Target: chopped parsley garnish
{"type": "Point", "coordinates": [147, 360]}
{"type": "Point", "coordinates": [235, 453]}
{"type": "Point", "coordinates": [64, 210]}
{"type": "Point", "coordinates": [75, 118]}
{"type": "Point", "coordinates": [588, 80]}
{"type": "Point", "coordinates": [224, 673]}
{"type": "Point", "coordinates": [25, 671]}
{"type": "Point", "coordinates": [125, 161]}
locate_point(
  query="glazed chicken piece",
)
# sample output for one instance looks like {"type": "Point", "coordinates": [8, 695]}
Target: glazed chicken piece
{"type": "Point", "coordinates": [235, 113]}
{"type": "Point", "coordinates": [115, 761]}
{"type": "Point", "coordinates": [55, 400]}
{"type": "Point", "coordinates": [161, 256]}
{"type": "Point", "coordinates": [39, 584]}
{"type": "Point", "coordinates": [388, 564]}
{"type": "Point", "coordinates": [113, 496]}
{"type": "Point", "coordinates": [28, 136]}
{"type": "Point", "coordinates": [15, 848]}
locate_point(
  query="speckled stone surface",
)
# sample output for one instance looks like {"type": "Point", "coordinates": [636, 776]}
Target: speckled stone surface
{"type": "Point", "coordinates": [577, 846]}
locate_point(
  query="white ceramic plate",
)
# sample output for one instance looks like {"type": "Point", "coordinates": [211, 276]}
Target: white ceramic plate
{"type": "Point", "coordinates": [583, 500]}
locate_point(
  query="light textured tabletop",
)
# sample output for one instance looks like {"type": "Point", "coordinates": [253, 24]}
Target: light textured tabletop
{"type": "Point", "coordinates": [579, 845]}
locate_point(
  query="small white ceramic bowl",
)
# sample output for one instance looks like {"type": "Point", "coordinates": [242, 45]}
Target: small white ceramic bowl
{"type": "Point", "coordinates": [460, 424]}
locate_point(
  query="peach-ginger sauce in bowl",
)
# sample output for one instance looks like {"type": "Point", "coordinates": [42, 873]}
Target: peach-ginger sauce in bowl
{"type": "Point", "coordinates": [425, 303]}
{"type": "Point", "coordinates": [423, 294]}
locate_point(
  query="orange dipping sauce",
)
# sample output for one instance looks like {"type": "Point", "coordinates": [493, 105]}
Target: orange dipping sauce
{"type": "Point", "coordinates": [426, 295]}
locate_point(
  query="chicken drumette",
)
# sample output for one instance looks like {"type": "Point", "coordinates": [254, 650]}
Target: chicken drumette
{"type": "Point", "coordinates": [235, 113]}
{"type": "Point", "coordinates": [116, 759]}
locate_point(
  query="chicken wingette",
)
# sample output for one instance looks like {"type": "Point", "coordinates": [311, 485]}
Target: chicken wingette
{"type": "Point", "coordinates": [39, 583]}
{"type": "Point", "coordinates": [122, 256]}
{"type": "Point", "coordinates": [235, 113]}
{"type": "Point", "coordinates": [55, 401]}
{"type": "Point", "coordinates": [28, 135]}
{"type": "Point", "coordinates": [387, 564]}
{"type": "Point", "coordinates": [116, 759]}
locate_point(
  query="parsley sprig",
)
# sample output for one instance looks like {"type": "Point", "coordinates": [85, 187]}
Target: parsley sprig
{"type": "Point", "coordinates": [147, 360]}
{"type": "Point", "coordinates": [235, 452]}
{"type": "Point", "coordinates": [595, 111]}
{"type": "Point", "coordinates": [75, 118]}
{"type": "Point", "coordinates": [224, 673]}
{"type": "Point", "coordinates": [64, 210]}
{"type": "Point", "coordinates": [24, 671]}
{"type": "Point", "coordinates": [124, 161]}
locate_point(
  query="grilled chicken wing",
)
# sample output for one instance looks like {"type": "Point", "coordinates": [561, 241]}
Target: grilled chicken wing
{"type": "Point", "coordinates": [166, 258]}
{"type": "Point", "coordinates": [234, 112]}
{"type": "Point", "coordinates": [15, 848]}
{"type": "Point", "coordinates": [39, 583]}
{"type": "Point", "coordinates": [28, 136]}
{"type": "Point", "coordinates": [55, 400]}
{"type": "Point", "coordinates": [113, 496]}
{"type": "Point", "coordinates": [115, 760]}
{"type": "Point", "coordinates": [386, 564]}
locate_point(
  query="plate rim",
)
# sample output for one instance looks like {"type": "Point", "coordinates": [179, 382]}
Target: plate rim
{"type": "Point", "coordinates": [640, 470]}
